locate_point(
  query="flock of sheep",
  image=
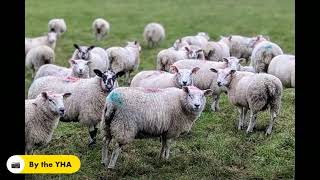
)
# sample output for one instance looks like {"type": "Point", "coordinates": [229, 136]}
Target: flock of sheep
{"type": "Point", "coordinates": [156, 103]}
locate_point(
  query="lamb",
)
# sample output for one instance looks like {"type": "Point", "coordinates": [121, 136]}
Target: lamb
{"type": "Point", "coordinates": [39, 56]}
{"type": "Point", "coordinates": [125, 60]}
{"type": "Point", "coordinates": [97, 55]}
{"type": "Point", "coordinates": [205, 79]}
{"type": "Point", "coordinates": [283, 67]}
{"type": "Point", "coordinates": [100, 28]}
{"type": "Point", "coordinates": [216, 51]}
{"type": "Point", "coordinates": [200, 39]}
{"type": "Point", "coordinates": [86, 103]}
{"type": "Point", "coordinates": [48, 40]}
{"type": "Point", "coordinates": [58, 26]}
{"type": "Point", "coordinates": [153, 33]}
{"type": "Point", "coordinates": [250, 91]}
{"type": "Point", "coordinates": [164, 113]}
{"type": "Point", "coordinates": [79, 69]}
{"type": "Point", "coordinates": [42, 117]}
{"type": "Point", "coordinates": [167, 57]}
{"type": "Point", "coordinates": [161, 79]}
{"type": "Point", "coordinates": [262, 53]}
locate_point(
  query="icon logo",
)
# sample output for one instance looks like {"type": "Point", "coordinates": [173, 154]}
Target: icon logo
{"type": "Point", "coordinates": [15, 164]}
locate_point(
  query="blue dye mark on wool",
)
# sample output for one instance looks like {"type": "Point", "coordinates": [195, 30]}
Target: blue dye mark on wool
{"type": "Point", "coordinates": [115, 97]}
{"type": "Point", "coordinates": [268, 46]}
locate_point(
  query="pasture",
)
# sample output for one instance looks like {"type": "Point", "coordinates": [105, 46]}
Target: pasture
{"type": "Point", "coordinates": [214, 149]}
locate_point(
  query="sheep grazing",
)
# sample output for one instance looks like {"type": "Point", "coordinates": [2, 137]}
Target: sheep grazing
{"type": "Point", "coordinates": [250, 91]}
{"type": "Point", "coordinates": [79, 68]}
{"type": "Point", "coordinates": [48, 40]}
{"type": "Point", "coordinates": [42, 117]}
{"type": "Point", "coordinates": [262, 53]}
{"type": "Point", "coordinates": [283, 67]}
{"type": "Point", "coordinates": [200, 39]}
{"type": "Point", "coordinates": [125, 60]}
{"type": "Point", "coordinates": [100, 28]}
{"type": "Point", "coordinates": [161, 79]}
{"type": "Point", "coordinates": [216, 51]}
{"type": "Point", "coordinates": [39, 56]}
{"type": "Point", "coordinates": [88, 97]}
{"type": "Point", "coordinates": [153, 34]}
{"type": "Point", "coordinates": [205, 79]}
{"type": "Point", "coordinates": [164, 113]}
{"type": "Point", "coordinates": [97, 55]}
{"type": "Point", "coordinates": [58, 26]}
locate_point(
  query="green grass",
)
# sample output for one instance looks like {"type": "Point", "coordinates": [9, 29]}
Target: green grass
{"type": "Point", "coordinates": [215, 149]}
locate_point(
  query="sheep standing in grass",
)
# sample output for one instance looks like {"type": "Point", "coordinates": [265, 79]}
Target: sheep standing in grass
{"type": "Point", "coordinates": [262, 53]}
{"type": "Point", "coordinates": [200, 39]}
{"type": "Point", "coordinates": [58, 26]}
{"type": "Point", "coordinates": [39, 56]}
{"type": "Point", "coordinates": [205, 79]}
{"type": "Point", "coordinates": [161, 79]}
{"type": "Point", "coordinates": [48, 40]}
{"type": "Point", "coordinates": [250, 91]}
{"type": "Point", "coordinates": [164, 113]}
{"type": "Point", "coordinates": [283, 67]}
{"type": "Point", "coordinates": [216, 51]}
{"type": "Point", "coordinates": [98, 57]}
{"type": "Point", "coordinates": [87, 100]}
{"type": "Point", "coordinates": [79, 69]}
{"type": "Point", "coordinates": [153, 34]}
{"type": "Point", "coordinates": [42, 117]}
{"type": "Point", "coordinates": [125, 60]}
{"type": "Point", "coordinates": [100, 28]}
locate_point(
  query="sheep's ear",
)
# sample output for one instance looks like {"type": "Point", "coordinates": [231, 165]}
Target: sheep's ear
{"type": "Point", "coordinates": [232, 71]}
{"type": "Point", "coordinates": [194, 70]}
{"type": "Point", "coordinates": [174, 69]}
{"type": "Point", "coordinates": [65, 95]}
{"type": "Point", "coordinates": [91, 47]}
{"type": "Point", "coordinates": [72, 61]}
{"type": "Point", "coordinates": [98, 72]}
{"type": "Point", "coordinates": [76, 46]}
{"type": "Point", "coordinates": [198, 51]}
{"type": "Point", "coordinates": [214, 70]}
{"type": "Point", "coordinates": [185, 89]}
{"type": "Point", "coordinates": [225, 59]}
{"type": "Point", "coordinates": [44, 95]}
{"type": "Point", "coordinates": [35, 104]}
{"type": "Point", "coordinates": [187, 49]}
{"type": "Point", "coordinates": [89, 62]}
{"type": "Point", "coordinates": [135, 42]}
{"type": "Point", "coordinates": [207, 92]}
{"type": "Point", "coordinates": [180, 40]}
{"type": "Point", "coordinates": [211, 52]}
{"type": "Point", "coordinates": [229, 38]}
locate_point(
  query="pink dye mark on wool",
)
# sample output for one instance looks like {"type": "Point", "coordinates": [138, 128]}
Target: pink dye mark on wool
{"type": "Point", "coordinates": [152, 90]}
{"type": "Point", "coordinates": [71, 79]}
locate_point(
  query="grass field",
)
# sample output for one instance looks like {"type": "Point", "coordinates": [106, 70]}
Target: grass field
{"type": "Point", "coordinates": [215, 149]}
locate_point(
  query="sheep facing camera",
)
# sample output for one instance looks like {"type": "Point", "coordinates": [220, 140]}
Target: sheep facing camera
{"type": "Point", "coordinates": [15, 165]}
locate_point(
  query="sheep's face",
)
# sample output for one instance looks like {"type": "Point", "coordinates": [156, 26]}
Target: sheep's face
{"type": "Point", "coordinates": [204, 34]}
{"type": "Point", "coordinates": [183, 77]}
{"type": "Point", "coordinates": [195, 98]}
{"type": "Point", "coordinates": [134, 44]}
{"type": "Point", "coordinates": [52, 37]}
{"type": "Point", "coordinates": [224, 76]}
{"type": "Point", "coordinates": [80, 67]}
{"type": "Point", "coordinates": [194, 53]}
{"type": "Point", "coordinates": [178, 44]}
{"type": "Point", "coordinates": [233, 62]}
{"type": "Point", "coordinates": [55, 101]}
{"type": "Point", "coordinates": [83, 52]}
{"type": "Point", "coordinates": [109, 79]}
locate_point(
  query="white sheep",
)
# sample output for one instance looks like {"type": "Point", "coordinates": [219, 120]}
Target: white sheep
{"type": "Point", "coordinates": [153, 34]}
{"type": "Point", "coordinates": [97, 55]}
{"type": "Point", "coordinates": [38, 56]}
{"type": "Point", "coordinates": [200, 39]}
{"type": "Point", "coordinates": [164, 113]}
{"type": "Point", "coordinates": [283, 67]}
{"type": "Point", "coordinates": [58, 26]}
{"type": "Point", "coordinates": [205, 79]}
{"type": "Point", "coordinates": [48, 40]}
{"type": "Point", "coordinates": [42, 117]}
{"type": "Point", "coordinates": [216, 51]}
{"type": "Point", "coordinates": [262, 53]}
{"type": "Point", "coordinates": [179, 45]}
{"type": "Point", "coordinates": [162, 79]}
{"type": "Point", "coordinates": [251, 91]}
{"type": "Point", "coordinates": [100, 28]}
{"type": "Point", "coordinates": [125, 60]}
{"type": "Point", "coordinates": [78, 68]}
{"type": "Point", "coordinates": [87, 100]}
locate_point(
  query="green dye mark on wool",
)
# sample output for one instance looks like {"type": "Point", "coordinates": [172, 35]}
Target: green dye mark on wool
{"type": "Point", "coordinates": [115, 97]}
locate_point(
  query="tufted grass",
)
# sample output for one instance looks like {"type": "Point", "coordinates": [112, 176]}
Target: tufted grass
{"type": "Point", "coordinates": [215, 149]}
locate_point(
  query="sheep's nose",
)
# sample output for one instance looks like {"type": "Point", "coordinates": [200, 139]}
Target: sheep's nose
{"type": "Point", "coordinates": [219, 83]}
{"type": "Point", "coordinates": [61, 111]}
{"type": "Point", "coordinates": [197, 105]}
{"type": "Point", "coordinates": [184, 83]}
{"type": "Point", "coordinates": [80, 70]}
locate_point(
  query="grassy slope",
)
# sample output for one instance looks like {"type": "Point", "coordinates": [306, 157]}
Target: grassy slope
{"type": "Point", "coordinates": [215, 149]}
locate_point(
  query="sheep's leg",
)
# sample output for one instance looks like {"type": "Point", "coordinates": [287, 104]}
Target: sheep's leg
{"type": "Point", "coordinates": [272, 120]}
{"type": "Point", "coordinates": [93, 133]}
{"type": "Point", "coordinates": [215, 103]}
{"type": "Point", "coordinates": [28, 149]}
{"type": "Point", "coordinates": [165, 149]}
{"type": "Point", "coordinates": [240, 110]}
{"type": "Point", "coordinates": [245, 110]}
{"type": "Point", "coordinates": [253, 116]}
{"type": "Point", "coordinates": [105, 145]}
{"type": "Point", "coordinates": [128, 80]}
{"type": "Point", "coordinates": [114, 156]}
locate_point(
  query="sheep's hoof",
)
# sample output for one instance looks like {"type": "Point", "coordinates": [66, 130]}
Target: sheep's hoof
{"type": "Point", "coordinates": [268, 133]}
{"type": "Point", "coordinates": [249, 131]}
{"type": "Point", "coordinates": [111, 167]}
{"type": "Point", "coordinates": [240, 127]}
{"type": "Point", "coordinates": [215, 109]}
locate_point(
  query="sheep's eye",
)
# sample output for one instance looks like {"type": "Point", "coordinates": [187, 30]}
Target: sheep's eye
{"type": "Point", "coordinates": [50, 100]}
{"type": "Point", "coordinates": [190, 95]}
